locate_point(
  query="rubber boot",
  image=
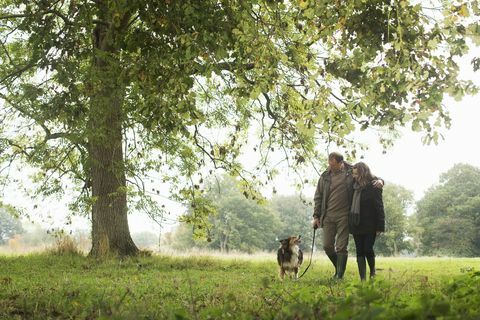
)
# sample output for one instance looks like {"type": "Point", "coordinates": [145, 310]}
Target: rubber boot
{"type": "Point", "coordinates": [371, 265]}
{"type": "Point", "coordinates": [341, 265]}
{"type": "Point", "coordinates": [333, 258]}
{"type": "Point", "coordinates": [362, 267]}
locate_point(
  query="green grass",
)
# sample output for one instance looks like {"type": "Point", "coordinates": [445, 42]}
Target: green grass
{"type": "Point", "coordinates": [48, 286]}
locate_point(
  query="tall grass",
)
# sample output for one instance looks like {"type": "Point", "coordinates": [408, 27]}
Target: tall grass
{"type": "Point", "coordinates": [47, 286]}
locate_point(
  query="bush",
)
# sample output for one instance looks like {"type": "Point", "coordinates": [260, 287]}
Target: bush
{"type": "Point", "coordinates": [65, 245]}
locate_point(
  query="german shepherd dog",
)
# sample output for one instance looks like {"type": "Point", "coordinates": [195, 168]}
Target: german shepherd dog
{"type": "Point", "coordinates": [289, 256]}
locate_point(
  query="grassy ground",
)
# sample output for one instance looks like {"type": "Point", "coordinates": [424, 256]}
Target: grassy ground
{"type": "Point", "coordinates": [44, 286]}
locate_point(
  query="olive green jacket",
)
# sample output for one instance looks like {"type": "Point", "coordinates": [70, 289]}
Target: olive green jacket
{"type": "Point", "coordinates": [323, 191]}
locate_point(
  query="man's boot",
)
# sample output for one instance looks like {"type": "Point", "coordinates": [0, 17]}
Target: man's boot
{"type": "Point", "coordinates": [371, 265]}
{"type": "Point", "coordinates": [362, 267]}
{"type": "Point", "coordinates": [341, 265]}
{"type": "Point", "coordinates": [333, 258]}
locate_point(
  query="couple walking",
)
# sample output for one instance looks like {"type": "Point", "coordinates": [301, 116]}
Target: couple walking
{"type": "Point", "coordinates": [348, 200]}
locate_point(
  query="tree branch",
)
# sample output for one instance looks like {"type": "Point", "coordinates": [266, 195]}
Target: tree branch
{"type": "Point", "coordinates": [18, 72]}
{"type": "Point", "coordinates": [13, 16]}
{"type": "Point", "coordinates": [59, 14]}
{"type": "Point", "coordinates": [267, 106]}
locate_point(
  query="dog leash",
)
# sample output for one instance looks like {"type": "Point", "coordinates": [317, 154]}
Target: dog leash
{"type": "Point", "coordinates": [311, 254]}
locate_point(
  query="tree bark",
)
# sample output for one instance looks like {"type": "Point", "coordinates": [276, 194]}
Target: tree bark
{"type": "Point", "coordinates": [224, 242]}
{"type": "Point", "coordinates": [110, 230]}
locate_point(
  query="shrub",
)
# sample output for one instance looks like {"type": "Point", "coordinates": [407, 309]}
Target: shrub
{"type": "Point", "coordinates": [65, 245]}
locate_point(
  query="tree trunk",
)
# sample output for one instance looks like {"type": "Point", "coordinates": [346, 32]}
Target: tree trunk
{"type": "Point", "coordinates": [110, 230]}
{"type": "Point", "coordinates": [224, 242]}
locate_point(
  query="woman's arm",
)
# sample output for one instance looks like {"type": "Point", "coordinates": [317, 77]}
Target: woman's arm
{"type": "Point", "coordinates": [378, 204]}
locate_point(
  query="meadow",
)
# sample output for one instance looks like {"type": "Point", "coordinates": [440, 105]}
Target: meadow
{"type": "Point", "coordinates": [71, 286]}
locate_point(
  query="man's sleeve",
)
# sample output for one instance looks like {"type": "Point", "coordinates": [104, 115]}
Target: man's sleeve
{"type": "Point", "coordinates": [383, 182]}
{"type": "Point", "coordinates": [317, 199]}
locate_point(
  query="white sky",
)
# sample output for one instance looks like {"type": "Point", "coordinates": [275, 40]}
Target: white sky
{"type": "Point", "coordinates": [416, 166]}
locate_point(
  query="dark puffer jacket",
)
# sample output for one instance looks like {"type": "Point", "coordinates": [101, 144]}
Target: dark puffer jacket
{"type": "Point", "coordinates": [372, 215]}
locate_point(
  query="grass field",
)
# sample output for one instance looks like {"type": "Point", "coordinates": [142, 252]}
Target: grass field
{"type": "Point", "coordinates": [49, 286]}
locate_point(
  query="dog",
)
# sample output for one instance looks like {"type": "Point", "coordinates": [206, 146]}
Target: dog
{"type": "Point", "coordinates": [289, 257]}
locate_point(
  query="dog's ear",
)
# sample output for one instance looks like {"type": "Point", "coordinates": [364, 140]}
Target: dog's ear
{"type": "Point", "coordinates": [299, 236]}
{"type": "Point", "coordinates": [283, 241]}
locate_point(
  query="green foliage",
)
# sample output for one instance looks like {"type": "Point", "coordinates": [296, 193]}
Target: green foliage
{"type": "Point", "coordinates": [396, 201]}
{"type": "Point", "coordinates": [10, 225]}
{"type": "Point", "coordinates": [296, 217]}
{"type": "Point", "coordinates": [448, 216]}
{"type": "Point", "coordinates": [71, 286]}
{"type": "Point", "coordinates": [240, 224]}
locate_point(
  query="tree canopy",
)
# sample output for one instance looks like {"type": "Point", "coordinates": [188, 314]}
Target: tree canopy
{"type": "Point", "coordinates": [296, 217]}
{"type": "Point", "coordinates": [396, 201]}
{"type": "Point", "coordinates": [237, 223]}
{"type": "Point", "coordinates": [448, 216]}
{"type": "Point", "coordinates": [97, 95]}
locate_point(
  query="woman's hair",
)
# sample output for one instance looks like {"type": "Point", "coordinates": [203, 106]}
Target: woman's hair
{"type": "Point", "coordinates": [365, 176]}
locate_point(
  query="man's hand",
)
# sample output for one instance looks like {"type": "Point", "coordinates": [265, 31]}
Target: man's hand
{"type": "Point", "coordinates": [316, 223]}
{"type": "Point", "coordinates": [378, 183]}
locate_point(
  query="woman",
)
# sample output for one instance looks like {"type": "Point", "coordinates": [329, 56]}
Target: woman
{"type": "Point", "coordinates": [367, 217]}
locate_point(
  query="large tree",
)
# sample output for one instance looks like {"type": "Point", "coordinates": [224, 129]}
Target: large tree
{"type": "Point", "coordinates": [448, 216]}
{"type": "Point", "coordinates": [98, 94]}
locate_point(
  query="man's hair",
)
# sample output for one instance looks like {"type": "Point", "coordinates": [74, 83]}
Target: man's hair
{"type": "Point", "coordinates": [335, 155]}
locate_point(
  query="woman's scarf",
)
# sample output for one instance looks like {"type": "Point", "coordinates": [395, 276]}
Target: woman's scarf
{"type": "Point", "coordinates": [355, 209]}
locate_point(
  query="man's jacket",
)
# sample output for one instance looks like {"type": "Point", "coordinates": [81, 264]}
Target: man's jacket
{"type": "Point", "coordinates": [323, 192]}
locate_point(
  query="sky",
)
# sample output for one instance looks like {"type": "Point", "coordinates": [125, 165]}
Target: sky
{"type": "Point", "coordinates": [416, 166]}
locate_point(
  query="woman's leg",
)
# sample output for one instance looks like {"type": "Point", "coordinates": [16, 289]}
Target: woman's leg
{"type": "Point", "coordinates": [369, 253]}
{"type": "Point", "coordinates": [359, 247]}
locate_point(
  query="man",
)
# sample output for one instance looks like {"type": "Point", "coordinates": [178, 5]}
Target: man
{"type": "Point", "coordinates": [333, 199]}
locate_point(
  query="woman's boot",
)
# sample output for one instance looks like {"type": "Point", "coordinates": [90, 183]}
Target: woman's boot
{"type": "Point", "coordinates": [362, 267]}
{"type": "Point", "coordinates": [371, 265]}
